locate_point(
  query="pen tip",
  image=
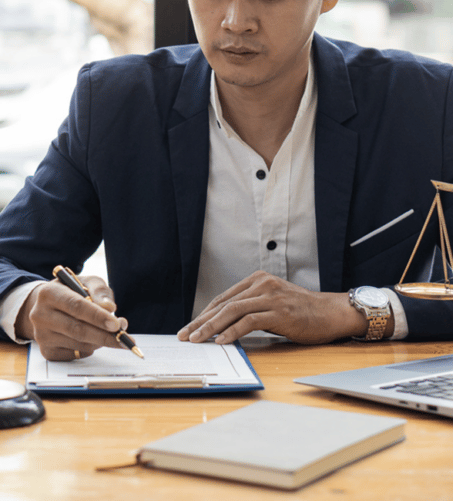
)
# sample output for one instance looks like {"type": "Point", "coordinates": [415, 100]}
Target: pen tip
{"type": "Point", "coordinates": [138, 352]}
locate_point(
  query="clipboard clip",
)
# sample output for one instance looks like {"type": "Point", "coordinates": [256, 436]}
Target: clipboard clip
{"type": "Point", "coordinates": [137, 382]}
{"type": "Point", "coordinates": [129, 382]}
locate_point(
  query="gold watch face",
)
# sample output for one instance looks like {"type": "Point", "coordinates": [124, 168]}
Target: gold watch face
{"type": "Point", "coordinates": [371, 297]}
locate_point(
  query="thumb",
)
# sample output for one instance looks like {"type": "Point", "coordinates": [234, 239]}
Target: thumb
{"type": "Point", "coordinates": [100, 292]}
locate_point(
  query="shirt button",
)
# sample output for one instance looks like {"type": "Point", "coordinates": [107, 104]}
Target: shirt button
{"type": "Point", "coordinates": [271, 245]}
{"type": "Point", "coordinates": [261, 174]}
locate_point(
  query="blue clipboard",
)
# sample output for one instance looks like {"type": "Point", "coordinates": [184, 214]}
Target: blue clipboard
{"type": "Point", "coordinates": [139, 387]}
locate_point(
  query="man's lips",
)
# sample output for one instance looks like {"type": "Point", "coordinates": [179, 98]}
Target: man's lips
{"type": "Point", "coordinates": [238, 55]}
{"type": "Point", "coordinates": [238, 50]}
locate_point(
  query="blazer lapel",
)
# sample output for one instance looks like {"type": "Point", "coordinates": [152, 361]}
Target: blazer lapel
{"type": "Point", "coordinates": [188, 136]}
{"type": "Point", "coordinates": [335, 160]}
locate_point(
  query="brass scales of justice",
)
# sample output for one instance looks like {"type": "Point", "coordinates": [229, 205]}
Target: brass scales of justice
{"type": "Point", "coordinates": [432, 290]}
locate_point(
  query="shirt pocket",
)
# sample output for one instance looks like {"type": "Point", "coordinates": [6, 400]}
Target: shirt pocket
{"type": "Point", "coordinates": [387, 236]}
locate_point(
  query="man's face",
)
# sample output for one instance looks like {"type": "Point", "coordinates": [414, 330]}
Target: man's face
{"type": "Point", "coordinates": [252, 42]}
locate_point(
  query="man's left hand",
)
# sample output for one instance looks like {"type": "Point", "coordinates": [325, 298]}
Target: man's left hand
{"type": "Point", "coordinates": [265, 302]}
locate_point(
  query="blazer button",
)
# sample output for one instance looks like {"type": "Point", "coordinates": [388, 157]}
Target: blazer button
{"type": "Point", "coordinates": [261, 174]}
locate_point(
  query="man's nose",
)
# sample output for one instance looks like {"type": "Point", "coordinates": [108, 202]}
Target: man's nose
{"type": "Point", "coordinates": [240, 17]}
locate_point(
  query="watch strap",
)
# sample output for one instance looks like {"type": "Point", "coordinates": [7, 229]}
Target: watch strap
{"type": "Point", "coordinates": [376, 327]}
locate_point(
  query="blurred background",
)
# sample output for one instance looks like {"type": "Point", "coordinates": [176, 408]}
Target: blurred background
{"type": "Point", "coordinates": [43, 43]}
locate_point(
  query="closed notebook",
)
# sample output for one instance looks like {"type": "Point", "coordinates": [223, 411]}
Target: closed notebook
{"type": "Point", "coordinates": [276, 444]}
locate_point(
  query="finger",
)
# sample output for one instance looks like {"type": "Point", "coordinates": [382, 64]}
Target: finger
{"type": "Point", "coordinates": [63, 354]}
{"type": "Point", "coordinates": [243, 290]}
{"type": "Point", "coordinates": [77, 307]}
{"type": "Point", "coordinates": [231, 293]}
{"type": "Point", "coordinates": [245, 325]}
{"type": "Point", "coordinates": [100, 292]}
{"type": "Point", "coordinates": [124, 324]}
{"type": "Point", "coordinates": [226, 316]}
{"type": "Point", "coordinates": [202, 318]}
{"type": "Point", "coordinates": [53, 338]}
{"type": "Point", "coordinates": [74, 335]}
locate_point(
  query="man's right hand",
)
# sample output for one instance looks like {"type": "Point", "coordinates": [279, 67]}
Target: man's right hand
{"type": "Point", "coordinates": [61, 321]}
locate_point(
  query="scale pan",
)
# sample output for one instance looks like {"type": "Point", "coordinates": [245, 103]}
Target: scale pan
{"type": "Point", "coordinates": [426, 290]}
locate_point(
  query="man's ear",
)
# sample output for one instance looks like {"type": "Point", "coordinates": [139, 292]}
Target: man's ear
{"type": "Point", "coordinates": [328, 5]}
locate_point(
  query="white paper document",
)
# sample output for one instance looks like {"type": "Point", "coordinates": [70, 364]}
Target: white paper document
{"type": "Point", "coordinates": [166, 359]}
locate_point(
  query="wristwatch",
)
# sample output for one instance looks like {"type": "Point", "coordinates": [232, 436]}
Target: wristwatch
{"type": "Point", "coordinates": [374, 304]}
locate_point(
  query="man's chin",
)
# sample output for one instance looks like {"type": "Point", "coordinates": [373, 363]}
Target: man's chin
{"type": "Point", "coordinates": [248, 81]}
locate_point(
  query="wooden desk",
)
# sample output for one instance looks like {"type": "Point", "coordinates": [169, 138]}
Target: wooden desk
{"type": "Point", "coordinates": [56, 459]}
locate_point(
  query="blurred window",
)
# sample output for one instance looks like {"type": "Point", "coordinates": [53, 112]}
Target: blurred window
{"type": "Point", "coordinates": [37, 40]}
{"type": "Point", "coordinates": [424, 27]}
{"type": "Point", "coordinates": [43, 44]}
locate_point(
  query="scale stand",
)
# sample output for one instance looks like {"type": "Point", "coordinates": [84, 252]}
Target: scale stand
{"type": "Point", "coordinates": [428, 290]}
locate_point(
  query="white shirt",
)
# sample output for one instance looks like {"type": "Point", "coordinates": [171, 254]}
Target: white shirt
{"type": "Point", "coordinates": [249, 206]}
{"type": "Point", "coordinates": [256, 219]}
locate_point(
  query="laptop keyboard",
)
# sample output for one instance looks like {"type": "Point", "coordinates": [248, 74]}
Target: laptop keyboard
{"type": "Point", "coordinates": [434, 386]}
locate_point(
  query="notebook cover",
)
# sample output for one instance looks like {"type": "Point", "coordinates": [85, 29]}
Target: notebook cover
{"type": "Point", "coordinates": [278, 444]}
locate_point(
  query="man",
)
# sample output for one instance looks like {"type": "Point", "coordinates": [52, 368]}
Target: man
{"type": "Point", "coordinates": [297, 170]}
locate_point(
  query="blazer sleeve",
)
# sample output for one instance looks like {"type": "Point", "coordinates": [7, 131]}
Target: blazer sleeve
{"type": "Point", "coordinates": [55, 218]}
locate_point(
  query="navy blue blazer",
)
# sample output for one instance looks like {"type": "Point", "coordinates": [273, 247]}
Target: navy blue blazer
{"type": "Point", "coordinates": [130, 166]}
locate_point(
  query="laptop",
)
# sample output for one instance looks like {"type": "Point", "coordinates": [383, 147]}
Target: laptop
{"type": "Point", "coordinates": [423, 385]}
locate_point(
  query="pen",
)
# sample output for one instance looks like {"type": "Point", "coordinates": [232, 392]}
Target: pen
{"type": "Point", "coordinates": [69, 278]}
